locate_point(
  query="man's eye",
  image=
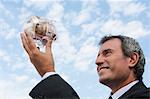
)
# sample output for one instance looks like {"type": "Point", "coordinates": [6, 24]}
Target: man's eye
{"type": "Point", "coordinates": [107, 53]}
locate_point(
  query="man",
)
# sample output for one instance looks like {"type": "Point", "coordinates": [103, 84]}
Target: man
{"type": "Point", "coordinates": [120, 65]}
{"type": "Point", "coordinates": [52, 86]}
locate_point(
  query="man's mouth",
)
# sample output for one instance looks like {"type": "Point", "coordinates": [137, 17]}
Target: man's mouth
{"type": "Point", "coordinates": [99, 68]}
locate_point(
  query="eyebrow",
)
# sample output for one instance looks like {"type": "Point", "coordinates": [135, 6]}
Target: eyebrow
{"type": "Point", "coordinates": [105, 51]}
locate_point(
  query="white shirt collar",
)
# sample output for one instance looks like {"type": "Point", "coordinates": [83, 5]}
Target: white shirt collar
{"type": "Point", "coordinates": [47, 74]}
{"type": "Point", "coordinates": [121, 91]}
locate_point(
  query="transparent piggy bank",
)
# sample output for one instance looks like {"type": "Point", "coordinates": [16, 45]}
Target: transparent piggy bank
{"type": "Point", "coordinates": [40, 29]}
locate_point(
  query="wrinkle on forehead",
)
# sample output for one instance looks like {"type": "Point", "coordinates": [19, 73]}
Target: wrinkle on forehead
{"type": "Point", "coordinates": [114, 44]}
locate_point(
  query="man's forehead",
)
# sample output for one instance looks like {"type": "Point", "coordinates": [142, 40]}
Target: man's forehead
{"type": "Point", "coordinates": [111, 44]}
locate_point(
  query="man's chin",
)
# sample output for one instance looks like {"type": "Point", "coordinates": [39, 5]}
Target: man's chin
{"type": "Point", "coordinates": [105, 81]}
{"type": "Point", "coordinates": [102, 81]}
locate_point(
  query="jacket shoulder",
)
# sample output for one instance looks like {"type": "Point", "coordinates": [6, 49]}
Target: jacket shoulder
{"type": "Point", "coordinates": [138, 91]}
{"type": "Point", "coordinates": [53, 87]}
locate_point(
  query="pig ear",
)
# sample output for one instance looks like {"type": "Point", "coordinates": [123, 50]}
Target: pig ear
{"type": "Point", "coordinates": [35, 19]}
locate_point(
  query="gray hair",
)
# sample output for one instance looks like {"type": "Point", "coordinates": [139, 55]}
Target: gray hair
{"type": "Point", "coordinates": [129, 46]}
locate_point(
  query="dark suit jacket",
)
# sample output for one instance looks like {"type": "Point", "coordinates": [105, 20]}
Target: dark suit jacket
{"type": "Point", "coordinates": [138, 91]}
{"type": "Point", "coordinates": [53, 87]}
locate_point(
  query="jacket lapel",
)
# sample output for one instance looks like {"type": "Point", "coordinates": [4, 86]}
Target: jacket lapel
{"type": "Point", "coordinates": [134, 91]}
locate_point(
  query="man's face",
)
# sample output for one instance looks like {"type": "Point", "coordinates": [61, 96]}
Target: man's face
{"type": "Point", "coordinates": [112, 65]}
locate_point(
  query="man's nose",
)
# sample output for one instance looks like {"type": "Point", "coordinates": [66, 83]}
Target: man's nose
{"type": "Point", "coordinates": [100, 60]}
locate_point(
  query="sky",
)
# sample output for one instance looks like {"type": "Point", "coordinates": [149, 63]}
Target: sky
{"type": "Point", "coordinates": [80, 24]}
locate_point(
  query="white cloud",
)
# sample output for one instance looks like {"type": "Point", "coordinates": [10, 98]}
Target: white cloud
{"type": "Point", "coordinates": [56, 11]}
{"type": "Point", "coordinates": [12, 33]}
{"type": "Point", "coordinates": [67, 43]}
{"type": "Point", "coordinates": [4, 10]}
{"type": "Point", "coordinates": [147, 12]}
{"type": "Point", "coordinates": [116, 6]}
{"type": "Point", "coordinates": [20, 78]}
{"type": "Point", "coordinates": [118, 0]}
{"type": "Point", "coordinates": [88, 7]}
{"type": "Point", "coordinates": [64, 48]}
{"type": "Point", "coordinates": [85, 55]}
{"type": "Point", "coordinates": [82, 17]}
{"type": "Point", "coordinates": [81, 58]}
{"type": "Point", "coordinates": [87, 3]}
{"type": "Point", "coordinates": [38, 4]}
{"type": "Point", "coordinates": [134, 8]}
{"type": "Point", "coordinates": [3, 27]}
{"type": "Point", "coordinates": [127, 7]}
{"type": "Point", "coordinates": [132, 28]}
{"type": "Point", "coordinates": [15, 86]}
{"type": "Point", "coordinates": [15, 61]}
{"type": "Point", "coordinates": [15, 80]}
{"type": "Point", "coordinates": [24, 15]}
{"type": "Point", "coordinates": [90, 28]}
{"type": "Point", "coordinates": [7, 88]}
{"type": "Point", "coordinates": [135, 29]}
{"type": "Point", "coordinates": [112, 26]}
{"type": "Point", "coordinates": [65, 77]}
{"type": "Point", "coordinates": [82, 64]}
{"type": "Point", "coordinates": [5, 56]}
{"type": "Point", "coordinates": [7, 32]}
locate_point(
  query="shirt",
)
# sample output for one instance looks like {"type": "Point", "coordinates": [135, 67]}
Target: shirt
{"type": "Point", "coordinates": [47, 74]}
{"type": "Point", "coordinates": [124, 89]}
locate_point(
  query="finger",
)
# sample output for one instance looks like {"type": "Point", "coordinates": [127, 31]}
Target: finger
{"type": "Point", "coordinates": [31, 43]}
{"type": "Point", "coordinates": [48, 46]}
{"type": "Point", "coordinates": [49, 51]}
{"type": "Point", "coordinates": [25, 44]}
{"type": "Point", "coordinates": [53, 36]}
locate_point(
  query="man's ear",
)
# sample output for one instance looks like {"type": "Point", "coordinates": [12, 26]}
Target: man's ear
{"type": "Point", "coordinates": [134, 58]}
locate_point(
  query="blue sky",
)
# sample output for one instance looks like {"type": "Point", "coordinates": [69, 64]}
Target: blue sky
{"type": "Point", "coordinates": [79, 25]}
